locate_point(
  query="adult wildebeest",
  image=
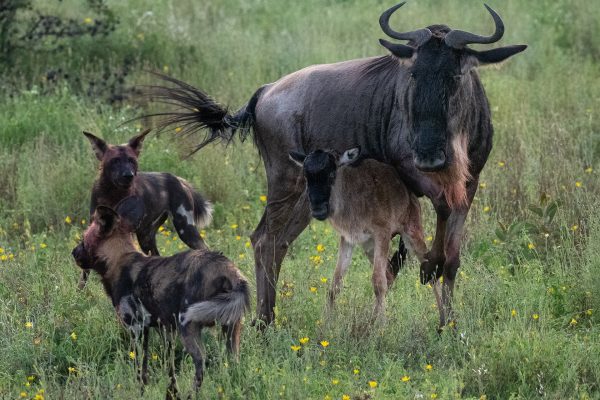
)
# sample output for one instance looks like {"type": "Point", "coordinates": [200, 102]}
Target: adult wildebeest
{"type": "Point", "coordinates": [421, 109]}
{"type": "Point", "coordinates": [367, 205]}
{"type": "Point", "coordinates": [163, 194]}
{"type": "Point", "coordinates": [184, 292]}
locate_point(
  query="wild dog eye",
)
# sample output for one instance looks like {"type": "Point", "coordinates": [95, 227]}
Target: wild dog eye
{"type": "Point", "coordinates": [458, 77]}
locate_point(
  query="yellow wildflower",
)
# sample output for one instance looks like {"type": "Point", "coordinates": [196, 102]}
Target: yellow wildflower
{"type": "Point", "coordinates": [345, 397]}
{"type": "Point", "coordinates": [356, 371]}
{"type": "Point", "coordinates": [405, 378]}
{"type": "Point", "coordinates": [482, 185]}
{"type": "Point", "coordinates": [320, 248]}
{"type": "Point", "coordinates": [295, 348]}
{"type": "Point", "coordinates": [1, 250]}
{"type": "Point", "coordinates": [132, 355]}
{"type": "Point", "coordinates": [324, 343]}
{"type": "Point", "coordinates": [428, 367]}
{"type": "Point", "coordinates": [154, 356]}
{"type": "Point", "coordinates": [335, 381]}
{"type": "Point", "coordinates": [501, 164]}
{"type": "Point", "coordinates": [73, 336]}
{"type": "Point", "coordinates": [323, 280]}
{"type": "Point", "coordinates": [3, 257]}
{"type": "Point", "coordinates": [578, 184]}
{"type": "Point", "coordinates": [304, 340]}
{"type": "Point", "coordinates": [373, 384]}
{"type": "Point", "coordinates": [28, 325]}
{"type": "Point", "coordinates": [238, 237]}
{"type": "Point", "coordinates": [88, 20]}
{"type": "Point", "coordinates": [242, 256]}
{"type": "Point", "coordinates": [433, 396]}
{"type": "Point", "coordinates": [161, 228]}
{"type": "Point", "coordinates": [248, 244]}
{"type": "Point", "coordinates": [43, 246]}
{"type": "Point", "coordinates": [313, 289]}
{"type": "Point", "coordinates": [574, 227]}
{"type": "Point", "coordinates": [429, 238]}
{"type": "Point", "coordinates": [203, 234]}
{"type": "Point", "coordinates": [486, 209]}
{"type": "Point", "coordinates": [30, 378]}
{"type": "Point", "coordinates": [589, 311]}
{"type": "Point", "coordinates": [573, 322]}
{"type": "Point", "coordinates": [535, 317]}
{"type": "Point", "coordinates": [68, 219]}
{"type": "Point", "coordinates": [23, 394]}
{"type": "Point", "coordinates": [72, 370]}
{"type": "Point", "coordinates": [263, 198]}
{"type": "Point", "coordinates": [234, 226]}
{"type": "Point", "coordinates": [531, 246]}
{"type": "Point", "coordinates": [589, 170]}
{"type": "Point", "coordinates": [38, 396]}
{"type": "Point", "coordinates": [513, 312]}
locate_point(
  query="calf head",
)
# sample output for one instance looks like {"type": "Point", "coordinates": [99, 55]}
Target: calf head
{"type": "Point", "coordinates": [119, 163]}
{"type": "Point", "coordinates": [320, 169]}
{"type": "Point", "coordinates": [109, 234]}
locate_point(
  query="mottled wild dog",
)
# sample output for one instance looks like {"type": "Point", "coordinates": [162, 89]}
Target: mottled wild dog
{"type": "Point", "coordinates": [184, 292]}
{"type": "Point", "coordinates": [163, 194]}
{"type": "Point", "coordinates": [367, 205]}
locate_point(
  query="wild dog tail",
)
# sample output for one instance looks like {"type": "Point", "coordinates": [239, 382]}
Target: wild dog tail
{"type": "Point", "coordinates": [225, 308]}
{"type": "Point", "coordinates": [196, 111]}
{"type": "Point", "coordinates": [202, 210]}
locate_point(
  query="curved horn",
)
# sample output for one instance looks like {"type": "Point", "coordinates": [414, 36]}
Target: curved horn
{"type": "Point", "coordinates": [419, 36]}
{"type": "Point", "coordinates": [459, 39]}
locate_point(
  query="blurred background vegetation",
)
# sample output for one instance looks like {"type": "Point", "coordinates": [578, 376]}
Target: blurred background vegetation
{"type": "Point", "coordinates": [532, 242]}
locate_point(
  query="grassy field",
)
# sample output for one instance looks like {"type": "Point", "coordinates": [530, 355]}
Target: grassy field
{"type": "Point", "coordinates": [527, 296]}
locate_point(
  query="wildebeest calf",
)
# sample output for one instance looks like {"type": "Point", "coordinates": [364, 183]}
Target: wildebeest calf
{"type": "Point", "coordinates": [163, 194]}
{"type": "Point", "coordinates": [367, 205]}
{"type": "Point", "coordinates": [184, 292]}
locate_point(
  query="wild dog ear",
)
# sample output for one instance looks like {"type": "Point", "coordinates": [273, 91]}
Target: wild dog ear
{"type": "Point", "coordinates": [98, 145]}
{"type": "Point", "coordinates": [399, 50]}
{"type": "Point", "coordinates": [107, 219]}
{"type": "Point", "coordinates": [350, 156]}
{"type": "Point", "coordinates": [297, 158]}
{"type": "Point", "coordinates": [136, 142]}
{"type": "Point", "coordinates": [131, 210]}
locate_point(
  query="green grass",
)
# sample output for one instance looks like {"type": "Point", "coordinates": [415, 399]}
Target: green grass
{"type": "Point", "coordinates": [547, 143]}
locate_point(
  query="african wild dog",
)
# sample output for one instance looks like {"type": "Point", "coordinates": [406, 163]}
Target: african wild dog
{"type": "Point", "coordinates": [367, 205]}
{"type": "Point", "coordinates": [183, 292]}
{"type": "Point", "coordinates": [162, 193]}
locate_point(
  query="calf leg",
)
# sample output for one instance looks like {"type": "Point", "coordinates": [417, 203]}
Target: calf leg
{"type": "Point", "coordinates": [380, 265]}
{"type": "Point", "coordinates": [413, 232]}
{"type": "Point", "coordinates": [83, 278]}
{"type": "Point", "coordinates": [190, 334]}
{"type": "Point", "coordinates": [285, 217]}
{"type": "Point", "coordinates": [343, 262]}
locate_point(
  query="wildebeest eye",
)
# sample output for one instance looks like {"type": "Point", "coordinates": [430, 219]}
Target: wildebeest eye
{"type": "Point", "coordinates": [458, 77]}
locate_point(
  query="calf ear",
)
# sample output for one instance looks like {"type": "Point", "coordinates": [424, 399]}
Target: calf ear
{"type": "Point", "coordinates": [131, 210]}
{"type": "Point", "coordinates": [136, 142]}
{"type": "Point", "coordinates": [98, 145]}
{"type": "Point", "coordinates": [107, 219]}
{"type": "Point", "coordinates": [297, 158]}
{"type": "Point", "coordinates": [350, 156]}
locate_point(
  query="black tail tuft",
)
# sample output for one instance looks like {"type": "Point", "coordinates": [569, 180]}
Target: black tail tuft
{"type": "Point", "coordinates": [196, 111]}
{"type": "Point", "coordinates": [398, 259]}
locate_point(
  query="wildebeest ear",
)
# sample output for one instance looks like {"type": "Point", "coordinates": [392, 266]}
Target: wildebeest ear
{"type": "Point", "coordinates": [131, 210]}
{"type": "Point", "coordinates": [136, 142]}
{"type": "Point", "coordinates": [350, 156]}
{"type": "Point", "coordinates": [98, 145]}
{"type": "Point", "coordinates": [399, 50]}
{"type": "Point", "coordinates": [297, 158]}
{"type": "Point", "coordinates": [107, 219]}
{"type": "Point", "coordinates": [495, 55]}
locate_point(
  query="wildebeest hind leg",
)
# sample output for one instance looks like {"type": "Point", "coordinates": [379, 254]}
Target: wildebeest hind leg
{"type": "Point", "coordinates": [284, 218]}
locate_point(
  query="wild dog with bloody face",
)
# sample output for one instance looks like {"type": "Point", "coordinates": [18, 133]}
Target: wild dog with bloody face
{"type": "Point", "coordinates": [184, 292]}
{"type": "Point", "coordinates": [163, 194]}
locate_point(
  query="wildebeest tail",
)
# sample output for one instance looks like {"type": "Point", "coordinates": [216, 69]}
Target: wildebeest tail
{"type": "Point", "coordinates": [195, 111]}
{"type": "Point", "coordinates": [225, 308]}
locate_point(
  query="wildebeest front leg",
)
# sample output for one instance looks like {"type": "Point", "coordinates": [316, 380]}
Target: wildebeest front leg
{"type": "Point", "coordinates": [285, 217]}
{"type": "Point", "coordinates": [453, 237]}
{"type": "Point", "coordinates": [343, 262]}
{"type": "Point", "coordinates": [144, 371]}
